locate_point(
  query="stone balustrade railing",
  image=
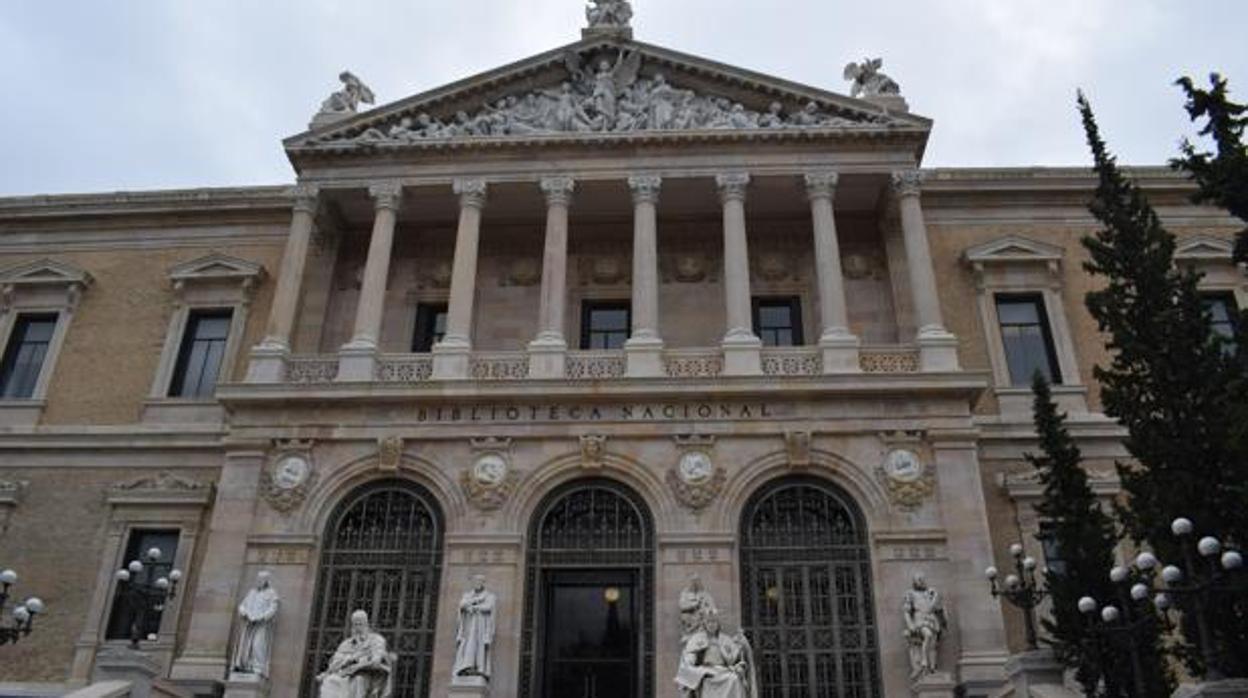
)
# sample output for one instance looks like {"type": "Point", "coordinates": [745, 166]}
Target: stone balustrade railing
{"type": "Point", "coordinates": [792, 361]}
{"type": "Point", "coordinates": [404, 368]}
{"type": "Point", "coordinates": [595, 365]}
{"type": "Point", "coordinates": [693, 363]}
{"type": "Point", "coordinates": [499, 366]}
{"type": "Point", "coordinates": [310, 370]}
{"type": "Point", "coordinates": [889, 359]}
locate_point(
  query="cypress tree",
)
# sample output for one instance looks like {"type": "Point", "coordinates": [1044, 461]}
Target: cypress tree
{"type": "Point", "coordinates": [1168, 383]}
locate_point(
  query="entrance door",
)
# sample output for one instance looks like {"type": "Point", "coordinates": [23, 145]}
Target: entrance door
{"type": "Point", "coordinates": [591, 634]}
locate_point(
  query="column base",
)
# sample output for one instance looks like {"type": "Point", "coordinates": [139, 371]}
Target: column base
{"type": "Point", "coordinates": [743, 355]}
{"type": "Point", "coordinates": [840, 353]}
{"type": "Point", "coordinates": [938, 350]}
{"type": "Point", "coordinates": [357, 362]}
{"type": "Point", "coordinates": [645, 357]}
{"type": "Point", "coordinates": [267, 363]}
{"type": "Point", "coordinates": [937, 685]}
{"type": "Point", "coordinates": [451, 360]}
{"type": "Point", "coordinates": [548, 357]}
{"type": "Point", "coordinates": [1229, 688]}
{"type": "Point", "coordinates": [246, 686]}
{"type": "Point", "coordinates": [469, 687]}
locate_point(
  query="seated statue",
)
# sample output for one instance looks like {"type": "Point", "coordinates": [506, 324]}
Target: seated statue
{"type": "Point", "coordinates": [714, 665]}
{"type": "Point", "coordinates": [360, 667]}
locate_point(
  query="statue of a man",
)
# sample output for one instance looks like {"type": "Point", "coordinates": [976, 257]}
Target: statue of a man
{"type": "Point", "coordinates": [360, 667]}
{"type": "Point", "coordinates": [255, 637]}
{"type": "Point", "coordinates": [924, 614]}
{"type": "Point", "coordinates": [475, 634]}
{"type": "Point", "coordinates": [714, 665]}
{"type": "Point", "coordinates": [696, 605]}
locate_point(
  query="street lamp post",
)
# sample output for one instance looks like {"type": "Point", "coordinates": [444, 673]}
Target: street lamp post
{"type": "Point", "coordinates": [1021, 589]}
{"type": "Point", "coordinates": [1123, 623]}
{"type": "Point", "coordinates": [143, 592]}
{"type": "Point", "coordinates": [23, 614]}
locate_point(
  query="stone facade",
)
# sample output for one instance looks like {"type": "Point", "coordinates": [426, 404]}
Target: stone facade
{"type": "Point", "coordinates": [894, 270]}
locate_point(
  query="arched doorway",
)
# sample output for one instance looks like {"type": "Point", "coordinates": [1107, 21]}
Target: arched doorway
{"type": "Point", "coordinates": [589, 595]}
{"type": "Point", "coordinates": [806, 599]}
{"type": "Point", "coordinates": [382, 552]}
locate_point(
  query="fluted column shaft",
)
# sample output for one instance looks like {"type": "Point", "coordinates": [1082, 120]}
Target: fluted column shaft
{"type": "Point", "coordinates": [839, 347]}
{"type": "Point", "coordinates": [372, 300]}
{"type": "Point", "coordinates": [464, 268]}
{"type": "Point", "coordinates": [937, 348]}
{"type": "Point", "coordinates": [645, 309]}
{"type": "Point", "coordinates": [294, 261]}
{"type": "Point", "coordinates": [741, 345]}
{"type": "Point", "coordinates": [558, 191]}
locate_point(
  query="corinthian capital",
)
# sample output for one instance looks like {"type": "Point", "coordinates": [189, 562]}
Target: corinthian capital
{"type": "Point", "coordinates": [907, 182]}
{"type": "Point", "coordinates": [821, 184]}
{"type": "Point", "coordinates": [732, 185]}
{"type": "Point", "coordinates": [471, 192]}
{"type": "Point", "coordinates": [558, 190]}
{"type": "Point", "coordinates": [386, 195]}
{"type": "Point", "coordinates": [645, 188]}
{"type": "Point", "coordinates": [305, 197]}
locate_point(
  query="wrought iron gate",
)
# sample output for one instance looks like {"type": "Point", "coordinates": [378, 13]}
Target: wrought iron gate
{"type": "Point", "coordinates": [806, 592]}
{"type": "Point", "coordinates": [382, 553]}
{"type": "Point", "coordinates": [588, 525]}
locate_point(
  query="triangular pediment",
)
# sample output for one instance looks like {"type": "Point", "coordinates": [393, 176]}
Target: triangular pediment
{"type": "Point", "coordinates": [48, 272]}
{"type": "Point", "coordinates": [1013, 248]}
{"type": "Point", "coordinates": [1204, 248]}
{"type": "Point", "coordinates": [216, 267]}
{"type": "Point", "coordinates": [605, 90]}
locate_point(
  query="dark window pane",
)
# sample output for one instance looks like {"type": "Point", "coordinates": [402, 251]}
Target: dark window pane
{"type": "Point", "coordinates": [121, 617]}
{"type": "Point", "coordinates": [778, 321]}
{"type": "Point", "coordinates": [1223, 313]}
{"type": "Point", "coordinates": [23, 358]}
{"type": "Point", "coordinates": [430, 326]}
{"type": "Point", "coordinates": [605, 324]}
{"type": "Point", "coordinates": [203, 348]}
{"type": "Point", "coordinates": [1026, 340]}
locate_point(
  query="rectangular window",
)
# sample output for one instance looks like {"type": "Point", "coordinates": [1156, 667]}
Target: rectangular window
{"type": "Point", "coordinates": [1223, 314]}
{"type": "Point", "coordinates": [1052, 551]}
{"type": "Point", "coordinates": [605, 324]}
{"type": "Point", "coordinates": [121, 617]}
{"type": "Point", "coordinates": [778, 321]}
{"type": "Point", "coordinates": [23, 358]}
{"type": "Point", "coordinates": [1026, 338]}
{"type": "Point", "coordinates": [203, 348]}
{"type": "Point", "coordinates": [430, 326]}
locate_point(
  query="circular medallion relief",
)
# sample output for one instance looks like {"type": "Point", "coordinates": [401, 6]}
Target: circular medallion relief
{"type": "Point", "coordinates": [291, 471]}
{"type": "Point", "coordinates": [903, 466]}
{"type": "Point", "coordinates": [695, 467]}
{"type": "Point", "coordinates": [489, 470]}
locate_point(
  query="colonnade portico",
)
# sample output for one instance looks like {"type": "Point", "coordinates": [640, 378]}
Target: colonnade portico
{"type": "Point", "coordinates": [741, 347]}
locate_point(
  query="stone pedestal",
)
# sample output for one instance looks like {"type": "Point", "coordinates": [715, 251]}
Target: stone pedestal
{"type": "Point", "coordinates": [1029, 670]}
{"type": "Point", "coordinates": [246, 686]}
{"type": "Point", "coordinates": [938, 351]}
{"type": "Point", "coordinates": [1230, 688]}
{"type": "Point", "coordinates": [548, 358]}
{"type": "Point", "coordinates": [840, 353]}
{"type": "Point", "coordinates": [469, 687]}
{"type": "Point", "coordinates": [357, 363]}
{"type": "Point", "coordinates": [451, 361]}
{"type": "Point", "coordinates": [645, 357]}
{"type": "Point", "coordinates": [743, 355]}
{"type": "Point", "coordinates": [937, 685]}
{"type": "Point", "coordinates": [141, 671]}
{"type": "Point", "coordinates": [267, 364]}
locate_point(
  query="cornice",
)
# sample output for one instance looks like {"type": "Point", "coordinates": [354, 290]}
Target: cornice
{"type": "Point", "coordinates": [123, 203]}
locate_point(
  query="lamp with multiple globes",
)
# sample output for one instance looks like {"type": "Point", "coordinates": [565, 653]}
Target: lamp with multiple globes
{"type": "Point", "coordinates": [144, 593]}
{"type": "Point", "coordinates": [23, 613]}
{"type": "Point", "coordinates": [1021, 589]}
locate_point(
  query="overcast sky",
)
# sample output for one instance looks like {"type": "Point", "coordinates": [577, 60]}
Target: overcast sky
{"type": "Point", "coordinates": [150, 94]}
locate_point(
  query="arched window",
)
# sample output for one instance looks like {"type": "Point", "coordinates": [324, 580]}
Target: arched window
{"type": "Point", "coordinates": [382, 552]}
{"type": "Point", "coordinates": [806, 592]}
{"type": "Point", "coordinates": [589, 595]}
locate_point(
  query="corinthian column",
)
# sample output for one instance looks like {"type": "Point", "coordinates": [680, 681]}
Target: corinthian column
{"type": "Point", "coordinates": [451, 355]}
{"type": "Point", "coordinates": [741, 346]}
{"type": "Point", "coordinates": [548, 351]}
{"type": "Point", "coordinates": [268, 358]}
{"type": "Point", "coordinates": [644, 347]}
{"type": "Point", "coordinates": [937, 347]}
{"type": "Point", "coordinates": [837, 344]}
{"type": "Point", "coordinates": [358, 358]}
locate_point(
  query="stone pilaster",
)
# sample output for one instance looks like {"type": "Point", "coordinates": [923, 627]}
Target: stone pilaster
{"type": "Point", "coordinates": [644, 347]}
{"type": "Point", "coordinates": [742, 348]}
{"type": "Point", "coordinates": [268, 358]}
{"type": "Point", "coordinates": [451, 355]}
{"type": "Point", "coordinates": [358, 358]}
{"type": "Point", "coordinates": [937, 347]}
{"type": "Point", "coordinates": [548, 351]}
{"type": "Point", "coordinates": [837, 344]}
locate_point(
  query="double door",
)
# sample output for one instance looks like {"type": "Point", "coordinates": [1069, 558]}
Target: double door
{"type": "Point", "coordinates": [591, 643]}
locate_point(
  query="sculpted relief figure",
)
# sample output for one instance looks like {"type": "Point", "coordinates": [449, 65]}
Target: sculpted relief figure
{"type": "Point", "coordinates": [867, 80]}
{"type": "Point", "coordinates": [925, 620]}
{"type": "Point", "coordinates": [348, 99]}
{"type": "Point", "coordinates": [255, 637]}
{"type": "Point", "coordinates": [716, 665]}
{"type": "Point", "coordinates": [474, 637]}
{"type": "Point", "coordinates": [360, 667]}
{"type": "Point", "coordinates": [696, 605]}
{"type": "Point", "coordinates": [609, 13]}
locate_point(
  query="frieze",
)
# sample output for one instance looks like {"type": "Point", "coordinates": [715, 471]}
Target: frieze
{"type": "Point", "coordinates": [586, 413]}
{"type": "Point", "coordinates": [279, 555]}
